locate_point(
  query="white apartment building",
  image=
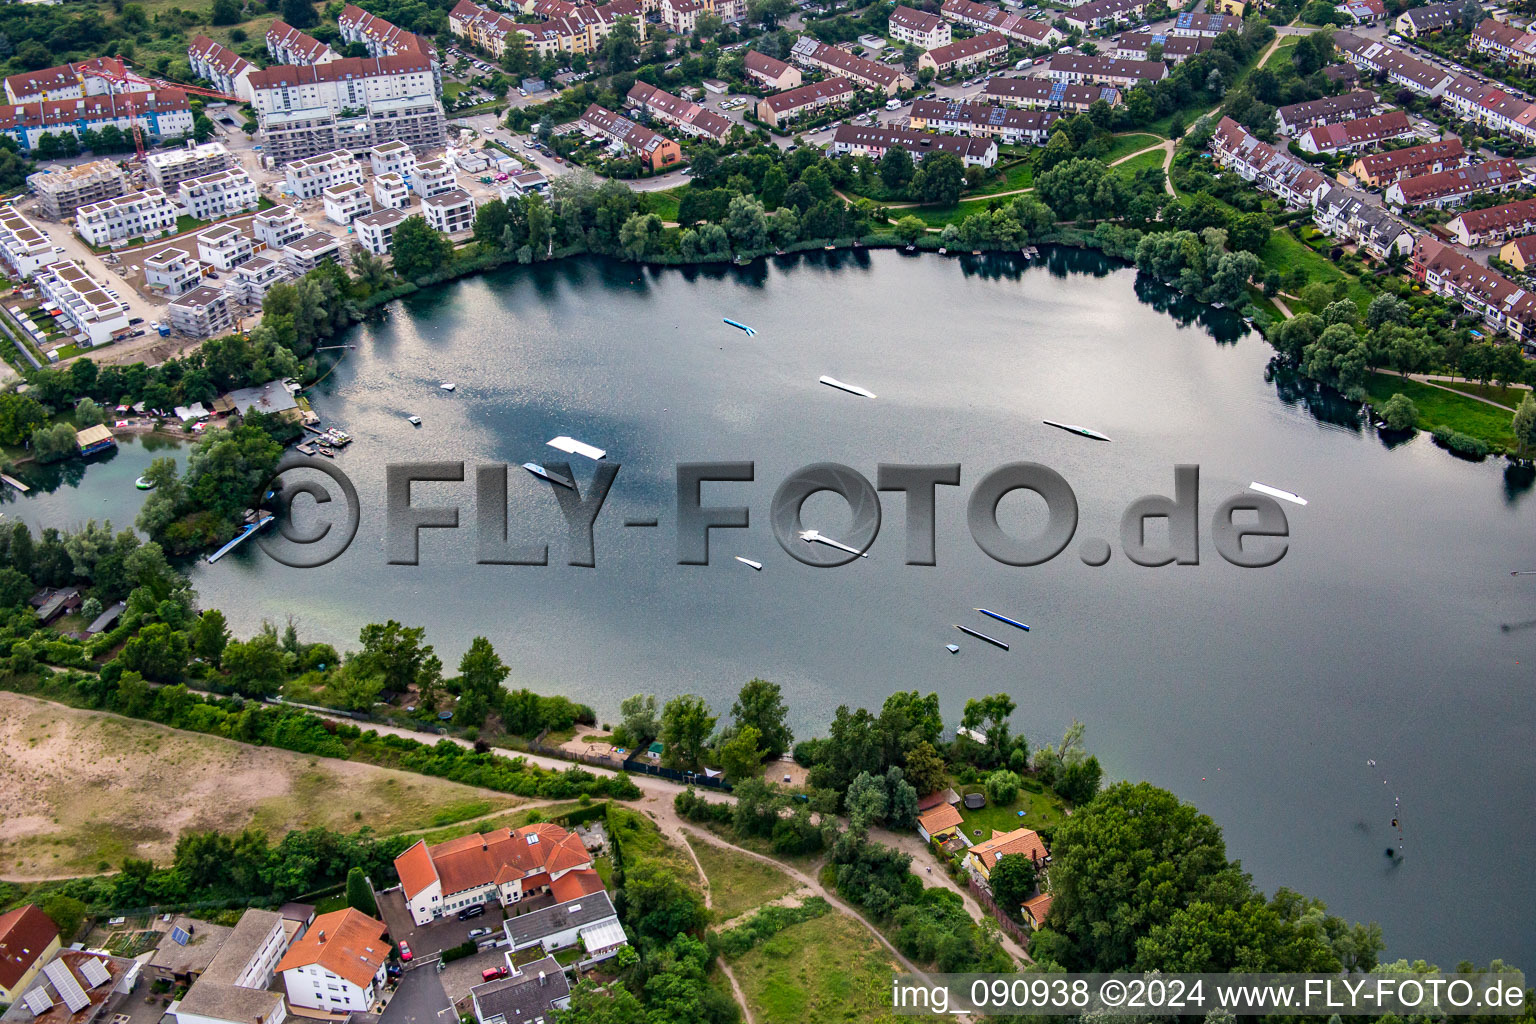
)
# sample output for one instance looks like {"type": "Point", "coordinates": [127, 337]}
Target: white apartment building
{"type": "Point", "coordinates": [172, 167]}
{"type": "Point", "coordinates": [251, 280]}
{"type": "Point", "coordinates": [172, 271]}
{"type": "Point", "coordinates": [144, 214]}
{"type": "Point", "coordinates": [346, 202]}
{"type": "Point", "coordinates": [450, 212]}
{"type": "Point", "coordinates": [434, 177]}
{"type": "Point", "coordinates": [393, 158]}
{"type": "Point", "coordinates": [233, 988]}
{"type": "Point", "coordinates": [229, 72]}
{"type": "Point", "coordinates": [220, 194]}
{"type": "Point", "coordinates": [503, 865]}
{"type": "Point", "coordinates": [277, 227]}
{"type": "Point", "coordinates": [63, 190]}
{"type": "Point", "coordinates": [81, 303]}
{"type": "Point", "coordinates": [392, 191]}
{"type": "Point", "coordinates": [24, 247]}
{"type": "Point", "coordinates": [202, 312]}
{"type": "Point", "coordinates": [376, 231]}
{"type": "Point", "coordinates": [224, 247]}
{"type": "Point", "coordinates": [310, 176]}
{"type": "Point", "coordinates": [307, 253]}
{"type": "Point", "coordinates": [338, 966]}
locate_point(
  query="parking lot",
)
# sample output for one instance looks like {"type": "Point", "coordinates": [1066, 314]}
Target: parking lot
{"type": "Point", "coordinates": [428, 940]}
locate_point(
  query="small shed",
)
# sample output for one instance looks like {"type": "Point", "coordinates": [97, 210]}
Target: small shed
{"type": "Point", "coordinates": [94, 439]}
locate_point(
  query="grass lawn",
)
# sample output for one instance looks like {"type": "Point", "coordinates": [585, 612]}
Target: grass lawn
{"type": "Point", "coordinates": [1125, 145]}
{"type": "Point", "coordinates": [1438, 407]}
{"type": "Point", "coordinates": [664, 204]}
{"type": "Point", "coordinates": [1142, 162]}
{"type": "Point", "coordinates": [828, 969]}
{"type": "Point", "coordinates": [738, 883]}
{"type": "Point", "coordinates": [451, 90]}
{"type": "Point", "coordinates": [1283, 51]}
{"type": "Point", "coordinates": [1040, 810]}
{"type": "Point", "coordinates": [512, 819]}
{"type": "Point", "coordinates": [1014, 176]}
{"type": "Point", "coordinates": [1509, 397]}
{"type": "Point", "coordinates": [1284, 252]}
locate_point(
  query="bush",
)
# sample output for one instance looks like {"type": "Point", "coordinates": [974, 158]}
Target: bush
{"type": "Point", "coordinates": [1461, 444]}
{"type": "Point", "coordinates": [1002, 787]}
{"type": "Point", "coordinates": [459, 952]}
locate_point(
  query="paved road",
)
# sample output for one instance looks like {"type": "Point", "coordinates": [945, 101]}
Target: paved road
{"type": "Point", "coordinates": [419, 999]}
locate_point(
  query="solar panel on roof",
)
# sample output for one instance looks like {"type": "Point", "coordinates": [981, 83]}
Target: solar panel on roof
{"type": "Point", "coordinates": [67, 986]}
{"type": "Point", "coordinates": [95, 972]}
{"type": "Point", "coordinates": [38, 1001]}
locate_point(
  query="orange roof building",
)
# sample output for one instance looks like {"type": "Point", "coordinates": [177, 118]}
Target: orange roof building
{"type": "Point", "coordinates": [983, 857]}
{"type": "Point", "coordinates": [940, 821]}
{"type": "Point", "coordinates": [338, 966]}
{"type": "Point", "coordinates": [1036, 908]}
{"type": "Point", "coordinates": [505, 864]}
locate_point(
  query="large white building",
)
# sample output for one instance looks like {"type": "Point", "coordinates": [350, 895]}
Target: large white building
{"type": "Point", "coordinates": [393, 158]}
{"type": "Point", "coordinates": [376, 231]}
{"type": "Point", "coordinates": [171, 167]}
{"type": "Point", "coordinates": [311, 176]}
{"type": "Point", "coordinates": [202, 312]}
{"type": "Point", "coordinates": [24, 247]}
{"type": "Point", "coordinates": [503, 865]}
{"type": "Point", "coordinates": [139, 215]}
{"type": "Point", "coordinates": [224, 246]}
{"type": "Point", "coordinates": [450, 212]}
{"type": "Point", "coordinates": [250, 281]}
{"type": "Point", "coordinates": [433, 177]}
{"type": "Point", "coordinates": [307, 253]}
{"type": "Point", "coordinates": [346, 202]}
{"type": "Point", "coordinates": [338, 966]}
{"type": "Point", "coordinates": [392, 191]}
{"type": "Point", "coordinates": [220, 194]}
{"type": "Point", "coordinates": [98, 76]}
{"type": "Point", "coordinates": [229, 72]}
{"type": "Point", "coordinates": [81, 303]}
{"type": "Point", "coordinates": [172, 271]}
{"type": "Point", "coordinates": [63, 190]}
{"type": "Point", "coordinates": [233, 989]}
{"type": "Point", "coordinates": [162, 114]}
{"type": "Point", "coordinates": [277, 227]}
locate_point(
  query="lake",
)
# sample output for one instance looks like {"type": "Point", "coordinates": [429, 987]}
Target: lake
{"type": "Point", "coordinates": [1391, 631]}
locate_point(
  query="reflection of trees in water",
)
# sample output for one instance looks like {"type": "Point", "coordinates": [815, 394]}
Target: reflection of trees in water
{"type": "Point", "coordinates": [65, 473]}
{"type": "Point", "coordinates": [1225, 326]}
{"type": "Point", "coordinates": [1518, 480]}
{"type": "Point", "coordinates": [1323, 402]}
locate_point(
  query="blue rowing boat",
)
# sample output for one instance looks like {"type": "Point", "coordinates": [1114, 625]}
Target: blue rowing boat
{"type": "Point", "coordinates": [742, 327]}
{"type": "Point", "coordinates": [1004, 618]}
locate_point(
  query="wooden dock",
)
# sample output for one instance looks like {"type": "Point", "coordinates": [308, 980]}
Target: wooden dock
{"type": "Point", "coordinates": [13, 482]}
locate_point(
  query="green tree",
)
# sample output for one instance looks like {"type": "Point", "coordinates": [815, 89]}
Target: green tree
{"type": "Point", "coordinates": [20, 415]}
{"type": "Point", "coordinates": [940, 178]}
{"type": "Point", "coordinates": [67, 914]}
{"type": "Point", "coordinates": [741, 756]}
{"type": "Point", "coordinates": [638, 719]}
{"type": "Point", "coordinates": [52, 443]}
{"type": "Point", "coordinates": [622, 47]}
{"type": "Point", "coordinates": [896, 168]}
{"type": "Point", "coordinates": [926, 770]}
{"type": "Point", "coordinates": [901, 809]}
{"type": "Point", "coordinates": [481, 675]}
{"type": "Point", "coordinates": [866, 801]}
{"type": "Point", "coordinates": [210, 637]}
{"type": "Point", "coordinates": [657, 904]}
{"type": "Point", "coordinates": [398, 654]}
{"type": "Point", "coordinates": [909, 228]}
{"type": "Point", "coordinates": [1002, 787]}
{"type": "Point", "coordinates": [158, 652]}
{"type": "Point", "coordinates": [1400, 413]}
{"type": "Point", "coordinates": [360, 893]}
{"type": "Point", "coordinates": [256, 667]}
{"type": "Point", "coordinates": [685, 726]}
{"type": "Point", "coordinates": [419, 249]}
{"type": "Point", "coordinates": [300, 13]}
{"type": "Point", "coordinates": [760, 704]}
{"type": "Point", "coordinates": [1013, 881]}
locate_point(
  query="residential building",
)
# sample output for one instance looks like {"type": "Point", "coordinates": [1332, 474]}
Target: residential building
{"type": "Point", "coordinates": [483, 28]}
{"type": "Point", "coordinates": [276, 227]}
{"type": "Point", "coordinates": [1008, 125]}
{"type": "Point", "coordinates": [1487, 104]}
{"type": "Point", "coordinates": [202, 312]}
{"type": "Point", "coordinates": [781, 108]}
{"type": "Point", "coordinates": [503, 865]}
{"type": "Point", "coordinates": [434, 177]}
{"type": "Point", "coordinates": [1021, 842]}
{"type": "Point", "coordinates": [1271, 170]}
{"type": "Point", "coordinates": [28, 940]}
{"type": "Point", "coordinates": [1431, 18]}
{"type": "Point", "coordinates": [1035, 910]}
{"type": "Point", "coordinates": [376, 230]}
{"type": "Point", "coordinates": [1077, 69]}
{"type": "Point", "coordinates": [224, 247]}
{"type": "Point", "coordinates": [233, 989]}
{"type": "Point", "coordinates": [95, 77]}
{"type": "Point", "coordinates": [220, 194]}
{"type": "Point", "coordinates": [225, 69]}
{"type": "Point", "coordinates": [1348, 216]}
{"type": "Point", "coordinates": [391, 191]}
{"type": "Point", "coordinates": [1520, 253]}
{"type": "Point", "coordinates": [311, 176]}
{"type": "Point", "coordinates": [1400, 67]}
{"type": "Point", "coordinates": [1362, 12]}
{"type": "Point", "coordinates": [393, 158]}
{"type": "Point", "coordinates": [1047, 94]}
{"type": "Point", "coordinates": [75, 987]}
{"type": "Point", "coordinates": [959, 58]}
{"type": "Point", "coordinates": [1208, 26]}
{"type": "Point", "coordinates": [160, 114]}
{"type": "Point", "coordinates": [138, 215]}
{"type": "Point", "coordinates": [338, 965]}
{"type": "Point", "coordinates": [681, 16]}
{"type": "Point", "coordinates": [686, 116]}
{"type": "Point", "coordinates": [307, 253]}
{"type": "Point", "coordinates": [771, 73]}
{"type": "Point", "coordinates": [1503, 305]}
{"type": "Point", "coordinates": [251, 280]}
{"type": "Point", "coordinates": [24, 247]}
{"type": "Point", "coordinates": [590, 921]}
{"type": "Point", "coordinates": [873, 142]}
{"type": "Point", "coordinates": [917, 28]}
{"type": "Point", "coordinates": [1378, 170]}
{"type": "Point", "coordinates": [450, 212]}
{"type": "Point", "coordinates": [525, 183]}
{"type": "Point", "coordinates": [172, 271]}
{"type": "Point", "coordinates": [384, 39]}
{"type": "Point", "coordinates": [532, 992]}
{"type": "Point", "coordinates": [346, 202]}
{"type": "Point", "coordinates": [1097, 15]}
{"type": "Point", "coordinates": [1348, 136]}
{"type": "Point", "coordinates": [1172, 49]}
{"type": "Point", "coordinates": [354, 103]}
{"type": "Point", "coordinates": [171, 167]}
{"type": "Point", "coordinates": [1493, 224]}
{"type": "Point", "coordinates": [1298, 117]}
{"type": "Point", "coordinates": [986, 18]}
{"type": "Point", "coordinates": [1503, 42]}
{"type": "Point", "coordinates": [567, 28]}
{"type": "Point", "coordinates": [940, 823]}
{"type": "Point", "coordinates": [882, 78]}
{"type": "Point", "coordinates": [1452, 188]}
{"type": "Point", "coordinates": [184, 952]}
{"type": "Point", "coordinates": [84, 306]}
{"type": "Point", "coordinates": [288, 45]}
{"type": "Point", "coordinates": [655, 150]}
{"type": "Point", "coordinates": [63, 190]}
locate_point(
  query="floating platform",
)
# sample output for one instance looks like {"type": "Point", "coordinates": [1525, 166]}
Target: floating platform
{"type": "Point", "coordinates": [240, 538]}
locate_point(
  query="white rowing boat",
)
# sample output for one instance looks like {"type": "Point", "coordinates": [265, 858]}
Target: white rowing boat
{"type": "Point", "coordinates": [1275, 492]}
{"type": "Point", "coordinates": [575, 447]}
{"type": "Point", "coordinates": [852, 389]}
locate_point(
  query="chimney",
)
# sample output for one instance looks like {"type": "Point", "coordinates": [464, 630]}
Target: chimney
{"type": "Point", "coordinates": [542, 980]}
{"type": "Point", "coordinates": [322, 935]}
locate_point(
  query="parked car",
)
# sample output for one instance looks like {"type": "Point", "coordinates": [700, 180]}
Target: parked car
{"type": "Point", "coordinates": [471, 911]}
{"type": "Point", "coordinates": [492, 973]}
{"type": "Point", "coordinates": [405, 952]}
{"type": "Point", "coordinates": [476, 933]}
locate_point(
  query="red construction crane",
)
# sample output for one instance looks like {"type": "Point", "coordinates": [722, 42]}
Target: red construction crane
{"type": "Point", "coordinates": [132, 78]}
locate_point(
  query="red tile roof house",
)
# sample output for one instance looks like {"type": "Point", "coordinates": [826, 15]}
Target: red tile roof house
{"type": "Point", "coordinates": [28, 940]}
{"type": "Point", "coordinates": [1344, 136]}
{"type": "Point", "coordinates": [505, 865]}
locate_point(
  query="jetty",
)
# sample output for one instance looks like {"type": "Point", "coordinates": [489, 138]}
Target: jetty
{"type": "Point", "coordinates": [240, 537]}
{"type": "Point", "coordinates": [11, 481]}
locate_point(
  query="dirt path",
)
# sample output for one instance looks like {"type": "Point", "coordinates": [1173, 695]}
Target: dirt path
{"type": "Point", "coordinates": [709, 904]}
{"type": "Point", "coordinates": [1434, 382]}
{"type": "Point", "coordinates": [490, 816]}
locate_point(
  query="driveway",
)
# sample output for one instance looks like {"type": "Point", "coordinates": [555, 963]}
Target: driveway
{"type": "Point", "coordinates": [419, 999]}
{"type": "Point", "coordinates": [430, 939]}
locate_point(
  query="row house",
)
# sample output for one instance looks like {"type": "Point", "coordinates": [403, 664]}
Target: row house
{"type": "Point", "coordinates": [682, 16]}
{"type": "Point", "coordinates": [82, 305]}
{"type": "Point", "coordinates": [1488, 105]}
{"type": "Point", "coordinates": [1298, 117]}
{"type": "Point", "coordinates": [354, 103]}
{"type": "Point", "coordinates": [63, 190]}
{"type": "Point", "coordinates": [288, 45]}
{"type": "Point", "coordinates": [1172, 49]}
{"type": "Point", "coordinates": [160, 114]}
{"type": "Point", "coordinates": [276, 227]}
{"type": "Point", "coordinates": [1378, 170]}
{"type": "Point", "coordinates": [1452, 188]}
{"type": "Point", "coordinates": [384, 39]}
{"type": "Point", "coordinates": [220, 194]}
{"type": "Point", "coordinates": [1399, 67]}
{"type": "Point", "coordinates": [98, 76]}
{"type": "Point", "coordinates": [24, 247]}
{"type": "Point", "coordinates": [451, 212]}
{"type": "Point", "coordinates": [223, 68]}
{"type": "Point", "coordinates": [1351, 217]}
{"type": "Point", "coordinates": [203, 312]}
{"type": "Point", "coordinates": [172, 271]}
{"type": "Point", "coordinates": [173, 166]}
{"type": "Point", "coordinates": [376, 231]}
{"type": "Point", "coordinates": [781, 108]}
{"type": "Point", "coordinates": [1504, 42]}
{"type": "Point", "coordinates": [482, 27]}
{"type": "Point", "coordinates": [505, 866]}
{"type": "Point", "coordinates": [1520, 253]}
{"type": "Point", "coordinates": [1047, 94]}
{"type": "Point", "coordinates": [874, 142]}
{"type": "Point", "coordinates": [771, 73]}
{"type": "Point", "coordinates": [1076, 68]}
{"type": "Point", "coordinates": [1503, 305]}
{"type": "Point", "coordinates": [138, 215]}
{"type": "Point", "coordinates": [1477, 228]}
{"type": "Point", "coordinates": [1362, 12]}
{"type": "Point", "coordinates": [986, 18]}
{"type": "Point", "coordinates": [393, 158]}
{"type": "Point", "coordinates": [1431, 18]}
{"type": "Point", "coordinates": [312, 175]}
{"type": "Point", "coordinates": [250, 281]}
{"type": "Point", "coordinates": [1274, 171]}
{"type": "Point", "coordinates": [917, 28]}
{"type": "Point", "coordinates": [434, 177]}
{"type": "Point", "coordinates": [582, 31]}
{"type": "Point", "coordinates": [391, 191]}
{"type": "Point", "coordinates": [224, 247]}
{"type": "Point", "coordinates": [654, 149]}
{"type": "Point", "coordinates": [878, 77]}
{"type": "Point", "coordinates": [1101, 14]}
{"type": "Point", "coordinates": [960, 57]}
{"type": "Point", "coordinates": [345, 203]}
{"type": "Point", "coordinates": [686, 116]}
{"type": "Point", "coordinates": [1347, 136]}
{"type": "Point", "coordinates": [1207, 26]}
{"type": "Point", "coordinates": [1008, 125]}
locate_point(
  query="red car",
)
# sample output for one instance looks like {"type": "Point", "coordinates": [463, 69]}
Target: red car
{"type": "Point", "coordinates": [492, 973]}
{"type": "Point", "coordinates": [405, 952]}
